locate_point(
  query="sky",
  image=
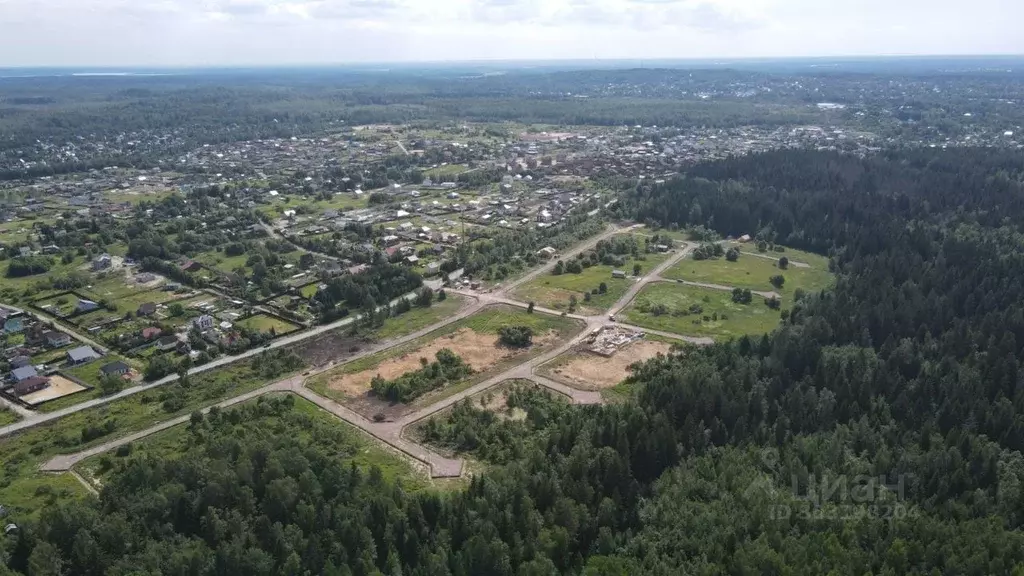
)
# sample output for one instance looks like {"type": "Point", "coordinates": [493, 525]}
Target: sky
{"type": "Point", "coordinates": [271, 32]}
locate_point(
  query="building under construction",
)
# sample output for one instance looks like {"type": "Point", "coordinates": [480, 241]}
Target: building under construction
{"type": "Point", "coordinates": [608, 340]}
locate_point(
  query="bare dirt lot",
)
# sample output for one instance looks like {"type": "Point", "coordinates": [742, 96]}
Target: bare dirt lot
{"type": "Point", "coordinates": [58, 388]}
{"type": "Point", "coordinates": [335, 345]}
{"type": "Point", "coordinates": [478, 350]}
{"type": "Point", "coordinates": [592, 372]}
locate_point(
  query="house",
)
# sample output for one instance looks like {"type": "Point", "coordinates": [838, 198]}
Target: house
{"type": "Point", "coordinates": [413, 260]}
{"type": "Point", "coordinates": [433, 268]}
{"type": "Point", "coordinates": [56, 339]}
{"type": "Point", "coordinates": [618, 274]}
{"type": "Point", "coordinates": [20, 360]}
{"type": "Point", "coordinates": [117, 368]}
{"type": "Point", "coordinates": [745, 238]}
{"type": "Point", "coordinates": [190, 266]}
{"type": "Point", "coordinates": [167, 343]}
{"type": "Point", "coordinates": [546, 252]}
{"type": "Point", "coordinates": [23, 373]}
{"type": "Point", "coordinates": [151, 332]}
{"type": "Point", "coordinates": [86, 306]}
{"type": "Point", "coordinates": [30, 385]}
{"type": "Point", "coordinates": [102, 262]}
{"type": "Point", "coordinates": [13, 325]}
{"type": "Point", "coordinates": [661, 248]}
{"type": "Point", "coordinates": [82, 354]}
{"type": "Point", "coordinates": [203, 323]}
{"type": "Point", "coordinates": [146, 309]}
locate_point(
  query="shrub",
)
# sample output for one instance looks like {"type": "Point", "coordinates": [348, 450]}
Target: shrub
{"type": "Point", "coordinates": [516, 336]}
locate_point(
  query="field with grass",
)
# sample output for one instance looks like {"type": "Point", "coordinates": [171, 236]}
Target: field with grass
{"type": "Point", "coordinates": [473, 338]}
{"type": "Point", "coordinates": [309, 290]}
{"type": "Point", "coordinates": [551, 291]}
{"type": "Point", "coordinates": [753, 271]}
{"type": "Point", "coordinates": [90, 373]}
{"type": "Point", "coordinates": [719, 316]}
{"type": "Point", "coordinates": [24, 490]}
{"type": "Point", "coordinates": [270, 419]}
{"type": "Point", "coordinates": [445, 170]}
{"type": "Point", "coordinates": [264, 323]}
{"type": "Point", "coordinates": [418, 318]}
{"type": "Point", "coordinates": [8, 417]}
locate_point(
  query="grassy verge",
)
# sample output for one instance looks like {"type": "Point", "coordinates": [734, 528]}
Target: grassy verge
{"type": "Point", "coordinates": [720, 316]}
{"type": "Point", "coordinates": [8, 417]}
{"type": "Point", "coordinates": [270, 419]}
{"type": "Point", "coordinates": [24, 490]}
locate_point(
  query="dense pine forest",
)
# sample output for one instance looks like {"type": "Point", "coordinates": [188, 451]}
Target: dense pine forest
{"type": "Point", "coordinates": [901, 384]}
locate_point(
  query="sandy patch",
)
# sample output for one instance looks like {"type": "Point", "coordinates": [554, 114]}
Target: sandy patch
{"type": "Point", "coordinates": [481, 351]}
{"type": "Point", "coordinates": [58, 388]}
{"type": "Point", "coordinates": [593, 372]}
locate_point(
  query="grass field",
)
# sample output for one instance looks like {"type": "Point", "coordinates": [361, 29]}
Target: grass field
{"type": "Point", "coordinates": [264, 323]}
{"type": "Point", "coordinates": [90, 373]}
{"type": "Point", "coordinates": [418, 318]}
{"type": "Point", "coordinates": [8, 417]}
{"type": "Point", "coordinates": [446, 170]}
{"type": "Point", "coordinates": [552, 291]}
{"type": "Point", "coordinates": [740, 319]}
{"type": "Point", "coordinates": [486, 322]}
{"type": "Point", "coordinates": [303, 422]}
{"type": "Point", "coordinates": [24, 490]}
{"type": "Point", "coordinates": [309, 290]}
{"type": "Point", "coordinates": [752, 271]}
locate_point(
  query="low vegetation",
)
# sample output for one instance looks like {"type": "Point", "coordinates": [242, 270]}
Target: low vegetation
{"type": "Point", "coordinates": [448, 367]}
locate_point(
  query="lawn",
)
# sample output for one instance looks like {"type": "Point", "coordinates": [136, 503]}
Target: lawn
{"type": "Point", "coordinates": [220, 261]}
{"type": "Point", "coordinates": [303, 421]}
{"type": "Point", "coordinates": [739, 319]}
{"type": "Point", "coordinates": [445, 170]}
{"type": "Point", "coordinates": [417, 319]}
{"type": "Point", "coordinates": [551, 291]}
{"type": "Point", "coordinates": [487, 322]}
{"type": "Point", "coordinates": [8, 417]}
{"type": "Point", "coordinates": [90, 373]}
{"type": "Point", "coordinates": [24, 490]}
{"type": "Point", "coordinates": [309, 290]}
{"type": "Point", "coordinates": [265, 323]}
{"type": "Point", "coordinates": [753, 272]}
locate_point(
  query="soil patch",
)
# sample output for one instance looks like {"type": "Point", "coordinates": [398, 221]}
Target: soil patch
{"type": "Point", "coordinates": [58, 388]}
{"type": "Point", "coordinates": [335, 345]}
{"type": "Point", "coordinates": [592, 372]}
{"type": "Point", "coordinates": [481, 351]}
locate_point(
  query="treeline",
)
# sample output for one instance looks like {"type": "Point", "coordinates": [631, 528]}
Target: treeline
{"type": "Point", "coordinates": [907, 373]}
{"type": "Point", "coordinates": [376, 286]}
{"type": "Point", "coordinates": [448, 367]}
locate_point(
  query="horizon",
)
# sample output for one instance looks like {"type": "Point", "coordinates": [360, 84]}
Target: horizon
{"type": "Point", "coordinates": [230, 33]}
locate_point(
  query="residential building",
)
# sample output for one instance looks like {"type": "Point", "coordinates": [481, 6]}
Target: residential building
{"type": "Point", "coordinates": [146, 309]}
{"type": "Point", "coordinates": [20, 360]}
{"type": "Point", "coordinates": [82, 355]}
{"type": "Point", "coordinates": [618, 274]}
{"type": "Point", "coordinates": [102, 262]}
{"type": "Point", "coordinates": [23, 373]}
{"type": "Point", "coordinates": [203, 323]}
{"type": "Point", "coordinates": [56, 339]}
{"type": "Point", "coordinates": [30, 385]}
{"type": "Point", "coordinates": [116, 368]}
{"type": "Point", "coordinates": [86, 306]}
{"type": "Point", "coordinates": [167, 343]}
{"type": "Point", "coordinates": [14, 325]}
{"type": "Point", "coordinates": [151, 332]}
{"type": "Point", "coordinates": [547, 252]}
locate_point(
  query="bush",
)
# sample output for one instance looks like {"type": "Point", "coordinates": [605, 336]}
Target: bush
{"type": "Point", "coordinates": [783, 263]}
{"type": "Point", "coordinates": [516, 336]}
{"type": "Point", "coordinates": [778, 281]}
{"type": "Point", "coordinates": [732, 254]}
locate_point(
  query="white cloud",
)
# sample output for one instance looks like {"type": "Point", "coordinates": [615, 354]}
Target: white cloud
{"type": "Point", "coordinates": [167, 32]}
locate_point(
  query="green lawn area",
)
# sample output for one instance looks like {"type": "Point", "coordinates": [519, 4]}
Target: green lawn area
{"type": "Point", "coordinates": [90, 373]}
{"type": "Point", "coordinates": [268, 419]}
{"type": "Point", "coordinates": [417, 318]}
{"type": "Point", "coordinates": [8, 417]}
{"type": "Point", "coordinates": [24, 490]}
{"type": "Point", "coordinates": [137, 197]}
{"type": "Point", "coordinates": [264, 323]}
{"type": "Point", "coordinates": [487, 321]}
{"type": "Point", "coordinates": [753, 272]}
{"type": "Point", "coordinates": [552, 291]}
{"type": "Point", "coordinates": [446, 170]}
{"type": "Point", "coordinates": [740, 319]}
{"type": "Point", "coordinates": [309, 290]}
{"type": "Point", "coordinates": [222, 262]}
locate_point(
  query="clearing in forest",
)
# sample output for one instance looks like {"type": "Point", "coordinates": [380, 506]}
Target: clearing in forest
{"type": "Point", "coordinates": [588, 371]}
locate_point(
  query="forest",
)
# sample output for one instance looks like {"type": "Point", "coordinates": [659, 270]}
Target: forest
{"type": "Point", "coordinates": [901, 383]}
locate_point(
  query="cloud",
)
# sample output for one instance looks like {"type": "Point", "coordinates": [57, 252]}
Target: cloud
{"type": "Point", "coordinates": [354, 9]}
